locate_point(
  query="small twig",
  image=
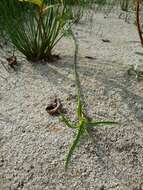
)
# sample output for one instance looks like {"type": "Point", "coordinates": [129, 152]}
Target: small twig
{"type": "Point", "coordinates": [138, 22]}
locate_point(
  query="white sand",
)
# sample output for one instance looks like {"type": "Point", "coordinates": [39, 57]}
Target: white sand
{"type": "Point", "coordinates": [33, 144]}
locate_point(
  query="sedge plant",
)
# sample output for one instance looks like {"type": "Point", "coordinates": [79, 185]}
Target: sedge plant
{"type": "Point", "coordinates": [84, 124]}
{"type": "Point", "coordinates": [34, 27]}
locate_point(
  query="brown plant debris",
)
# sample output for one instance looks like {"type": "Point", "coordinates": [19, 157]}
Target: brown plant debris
{"type": "Point", "coordinates": [90, 57]}
{"type": "Point", "coordinates": [106, 40]}
{"type": "Point", "coordinates": [54, 107]}
{"type": "Point", "coordinates": [12, 61]}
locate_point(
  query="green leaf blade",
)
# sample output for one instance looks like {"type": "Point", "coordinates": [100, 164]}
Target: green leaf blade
{"type": "Point", "coordinates": [73, 146]}
{"type": "Point", "coordinates": [96, 123]}
{"type": "Point", "coordinates": [67, 121]}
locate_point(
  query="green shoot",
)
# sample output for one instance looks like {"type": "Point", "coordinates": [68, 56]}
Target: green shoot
{"type": "Point", "coordinates": [84, 124]}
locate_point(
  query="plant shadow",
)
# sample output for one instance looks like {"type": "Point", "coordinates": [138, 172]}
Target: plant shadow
{"type": "Point", "coordinates": [115, 79]}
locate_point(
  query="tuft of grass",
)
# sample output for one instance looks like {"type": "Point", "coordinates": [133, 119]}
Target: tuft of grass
{"type": "Point", "coordinates": [33, 30]}
{"type": "Point", "coordinates": [36, 26]}
{"type": "Point", "coordinates": [84, 124]}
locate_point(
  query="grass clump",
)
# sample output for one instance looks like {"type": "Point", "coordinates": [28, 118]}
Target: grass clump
{"type": "Point", "coordinates": [33, 28]}
{"type": "Point", "coordinates": [36, 26]}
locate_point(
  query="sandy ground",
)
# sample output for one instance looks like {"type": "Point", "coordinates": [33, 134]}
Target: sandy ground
{"type": "Point", "coordinates": [33, 144]}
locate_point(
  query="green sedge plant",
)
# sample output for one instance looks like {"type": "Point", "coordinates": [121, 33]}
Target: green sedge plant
{"type": "Point", "coordinates": [34, 27]}
{"type": "Point", "coordinates": [84, 124]}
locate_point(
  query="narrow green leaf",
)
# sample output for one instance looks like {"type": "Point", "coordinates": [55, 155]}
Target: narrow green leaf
{"type": "Point", "coordinates": [73, 146]}
{"type": "Point", "coordinates": [67, 121]}
{"type": "Point", "coordinates": [95, 123]}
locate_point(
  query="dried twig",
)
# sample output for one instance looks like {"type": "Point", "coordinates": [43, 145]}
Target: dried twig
{"type": "Point", "coordinates": [138, 22]}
